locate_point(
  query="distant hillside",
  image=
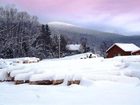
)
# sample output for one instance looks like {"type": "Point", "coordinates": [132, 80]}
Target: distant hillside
{"type": "Point", "coordinates": [95, 38]}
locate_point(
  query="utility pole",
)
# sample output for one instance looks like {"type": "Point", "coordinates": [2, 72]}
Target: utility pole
{"type": "Point", "coordinates": [59, 46]}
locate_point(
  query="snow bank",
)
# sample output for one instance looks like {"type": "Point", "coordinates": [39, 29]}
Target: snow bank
{"type": "Point", "coordinates": [16, 72]}
{"type": "Point", "coordinates": [82, 56]}
{"type": "Point", "coordinates": [100, 93]}
{"type": "Point", "coordinates": [86, 82]}
{"type": "Point", "coordinates": [3, 75]}
{"type": "Point", "coordinates": [116, 79]}
{"type": "Point", "coordinates": [132, 58]}
{"type": "Point", "coordinates": [24, 60]}
{"type": "Point", "coordinates": [132, 73]}
{"type": "Point", "coordinates": [40, 77]}
{"type": "Point", "coordinates": [133, 70]}
{"type": "Point", "coordinates": [5, 63]}
{"type": "Point", "coordinates": [118, 69]}
{"type": "Point", "coordinates": [47, 76]}
{"type": "Point", "coordinates": [23, 76]}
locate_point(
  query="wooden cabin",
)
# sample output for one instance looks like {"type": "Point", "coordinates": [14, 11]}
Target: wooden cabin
{"type": "Point", "coordinates": [121, 49]}
{"type": "Point", "coordinates": [136, 52]}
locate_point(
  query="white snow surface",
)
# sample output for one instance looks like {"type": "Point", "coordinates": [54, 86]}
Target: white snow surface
{"type": "Point", "coordinates": [114, 81]}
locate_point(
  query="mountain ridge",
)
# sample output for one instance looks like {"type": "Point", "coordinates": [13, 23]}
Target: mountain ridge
{"type": "Point", "coordinates": [95, 39]}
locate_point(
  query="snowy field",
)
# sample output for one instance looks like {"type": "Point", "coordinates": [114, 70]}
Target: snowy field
{"type": "Point", "coordinates": [114, 81]}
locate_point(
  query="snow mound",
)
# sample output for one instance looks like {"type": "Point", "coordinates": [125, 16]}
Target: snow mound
{"type": "Point", "coordinates": [83, 56]}
{"type": "Point", "coordinates": [4, 63]}
{"type": "Point", "coordinates": [26, 60]}
{"type": "Point", "coordinates": [87, 71]}
{"type": "Point", "coordinates": [134, 58]}
{"type": "Point", "coordinates": [24, 76]}
{"type": "Point", "coordinates": [3, 75]}
{"type": "Point", "coordinates": [40, 77]}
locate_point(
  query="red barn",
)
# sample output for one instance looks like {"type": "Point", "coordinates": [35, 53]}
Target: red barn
{"type": "Point", "coordinates": [122, 49]}
{"type": "Point", "coordinates": [136, 52]}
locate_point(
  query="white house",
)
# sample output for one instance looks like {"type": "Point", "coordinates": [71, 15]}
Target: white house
{"type": "Point", "coordinates": [74, 47]}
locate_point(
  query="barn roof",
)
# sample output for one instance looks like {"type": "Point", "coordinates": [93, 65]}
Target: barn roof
{"type": "Point", "coordinates": [136, 51]}
{"type": "Point", "coordinates": [126, 47]}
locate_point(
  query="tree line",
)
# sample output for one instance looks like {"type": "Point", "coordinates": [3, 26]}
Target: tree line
{"type": "Point", "coordinates": [22, 35]}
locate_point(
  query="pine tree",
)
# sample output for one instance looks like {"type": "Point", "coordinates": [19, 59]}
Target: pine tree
{"type": "Point", "coordinates": [83, 42]}
{"type": "Point", "coordinates": [43, 42]}
{"type": "Point", "coordinates": [55, 46]}
{"type": "Point", "coordinates": [63, 44]}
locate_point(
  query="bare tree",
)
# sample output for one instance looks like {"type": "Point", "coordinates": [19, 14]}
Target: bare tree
{"type": "Point", "coordinates": [18, 30]}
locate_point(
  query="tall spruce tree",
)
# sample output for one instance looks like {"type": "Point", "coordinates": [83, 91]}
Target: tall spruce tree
{"type": "Point", "coordinates": [63, 44]}
{"type": "Point", "coordinates": [43, 42]}
{"type": "Point", "coordinates": [83, 42]}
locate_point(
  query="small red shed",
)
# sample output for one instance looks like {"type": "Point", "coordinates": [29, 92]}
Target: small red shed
{"type": "Point", "coordinates": [136, 52]}
{"type": "Point", "coordinates": [121, 49]}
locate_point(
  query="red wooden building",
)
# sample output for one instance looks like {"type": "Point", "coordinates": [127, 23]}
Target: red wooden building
{"type": "Point", "coordinates": [122, 49]}
{"type": "Point", "coordinates": [136, 52]}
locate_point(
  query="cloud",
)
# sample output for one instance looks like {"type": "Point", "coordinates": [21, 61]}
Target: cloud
{"type": "Point", "coordinates": [121, 16]}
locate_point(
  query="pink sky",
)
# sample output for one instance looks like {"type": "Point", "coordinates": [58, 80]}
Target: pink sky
{"type": "Point", "coordinates": [107, 15]}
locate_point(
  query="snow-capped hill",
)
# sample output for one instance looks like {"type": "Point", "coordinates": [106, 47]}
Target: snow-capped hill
{"type": "Point", "coordinates": [94, 37]}
{"type": "Point", "coordinates": [68, 29]}
{"type": "Point", "coordinates": [56, 23]}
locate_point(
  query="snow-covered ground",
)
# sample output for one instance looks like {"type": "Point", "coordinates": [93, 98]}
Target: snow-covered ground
{"type": "Point", "coordinates": [114, 81]}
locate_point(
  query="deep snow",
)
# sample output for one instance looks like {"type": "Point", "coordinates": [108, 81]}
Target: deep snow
{"type": "Point", "coordinates": [114, 81]}
{"type": "Point", "coordinates": [101, 93]}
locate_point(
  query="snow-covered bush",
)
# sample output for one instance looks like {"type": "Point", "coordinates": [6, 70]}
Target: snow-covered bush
{"type": "Point", "coordinates": [3, 64]}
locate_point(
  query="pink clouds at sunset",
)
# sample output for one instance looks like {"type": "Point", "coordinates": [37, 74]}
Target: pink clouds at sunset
{"type": "Point", "coordinates": [108, 15]}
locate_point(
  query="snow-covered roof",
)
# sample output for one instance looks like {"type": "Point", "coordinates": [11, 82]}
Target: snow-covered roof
{"type": "Point", "coordinates": [126, 46]}
{"type": "Point", "coordinates": [136, 51]}
{"type": "Point", "coordinates": [73, 47]}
